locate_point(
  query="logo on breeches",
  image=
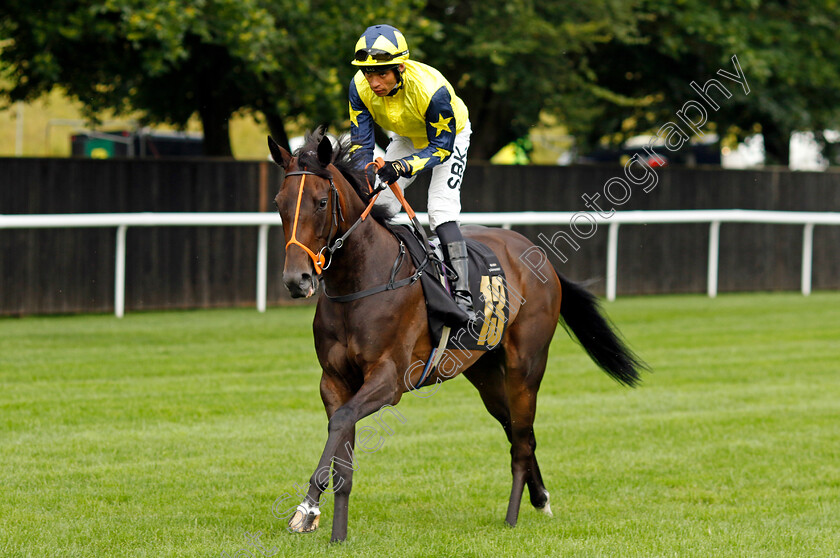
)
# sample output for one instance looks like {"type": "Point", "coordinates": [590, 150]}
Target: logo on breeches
{"type": "Point", "coordinates": [458, 167]}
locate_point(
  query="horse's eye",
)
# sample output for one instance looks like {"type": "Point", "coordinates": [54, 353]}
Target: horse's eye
{"type": "Point", "coordinates": [323, 203]}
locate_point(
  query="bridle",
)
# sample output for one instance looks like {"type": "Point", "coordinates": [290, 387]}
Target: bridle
{"type": "Point", "coordinates": [318, 260]}
{"type": "Point", "coordinates": [321, 262]}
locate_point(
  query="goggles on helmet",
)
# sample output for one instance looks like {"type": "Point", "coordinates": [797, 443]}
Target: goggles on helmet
{"type": "Point", "coordinates": [378, 55]}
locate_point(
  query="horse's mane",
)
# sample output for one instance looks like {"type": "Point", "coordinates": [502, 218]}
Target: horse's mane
{"type": "Point", "coordinates": [347, 162]}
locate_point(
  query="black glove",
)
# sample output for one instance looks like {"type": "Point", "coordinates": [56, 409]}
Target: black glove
{"type": "Point", "coordinates": [391, 171]}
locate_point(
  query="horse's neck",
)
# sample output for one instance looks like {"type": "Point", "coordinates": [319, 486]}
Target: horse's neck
{"type": "Point", "coordinates": [365, 260]}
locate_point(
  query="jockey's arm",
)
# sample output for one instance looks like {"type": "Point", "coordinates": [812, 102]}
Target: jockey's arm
{"type": "Point", "coordinates": [440, 131]}
{"type": "Point", "coordinates": [361, 128]}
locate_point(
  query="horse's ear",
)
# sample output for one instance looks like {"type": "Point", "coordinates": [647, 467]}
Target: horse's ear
{"type": "Point", "coordinates": [280, 155]}
{"type": "Point", "coordinates": [325, 151]}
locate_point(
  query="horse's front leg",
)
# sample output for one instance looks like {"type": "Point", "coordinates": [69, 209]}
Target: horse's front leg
{"type": "Point", "coordinates": [334, 393]}
{"type": "Point", "coordinates": [381, 387]}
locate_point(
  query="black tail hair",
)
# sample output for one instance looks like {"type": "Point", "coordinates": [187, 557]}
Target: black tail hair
{"type": "Point", "coordinates": [589, 325]}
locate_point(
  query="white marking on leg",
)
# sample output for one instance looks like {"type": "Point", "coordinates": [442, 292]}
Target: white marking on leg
{"type": "Point", "coordinates": [306, 518]}
{"type": "Point", "coordinates": [546, 509]}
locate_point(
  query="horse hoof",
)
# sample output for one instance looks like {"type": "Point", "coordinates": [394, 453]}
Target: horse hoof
{"type": "Point", "coordinates": [546, 509]}
{"type": "Point", "coordinates": [304, 522]}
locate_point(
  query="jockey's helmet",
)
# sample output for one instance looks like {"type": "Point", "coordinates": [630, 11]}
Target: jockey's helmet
{"type": "Point", "coordinates": [380, 48]}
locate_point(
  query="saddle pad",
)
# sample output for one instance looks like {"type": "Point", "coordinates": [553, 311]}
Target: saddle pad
{"type": "Point", "coordinates": [489, 294]}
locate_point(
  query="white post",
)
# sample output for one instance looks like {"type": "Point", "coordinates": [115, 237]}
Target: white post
{"type": "Point", "coordinates": [714, 253]}
{"type": "Point", "coordinates": [612, 261]}
{"type": "Point", "coordinates": [262, 267]}
{"type": "Point", "coordinates": [807, 257]}
{"type": "Point", "coordinates": [119, 274]}
{"type": "Point", "coordinates": [506, 226]}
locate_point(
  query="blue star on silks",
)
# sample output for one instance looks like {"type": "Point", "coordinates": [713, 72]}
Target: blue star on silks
{"type": "Point", "coordinates": [373, 33]}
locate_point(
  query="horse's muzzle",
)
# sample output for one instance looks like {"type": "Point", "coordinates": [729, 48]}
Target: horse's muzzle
{"type": "Point", "coordinates": [301, 285]}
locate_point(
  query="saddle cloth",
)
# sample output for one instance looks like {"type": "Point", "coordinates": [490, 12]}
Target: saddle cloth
{"type": "Point", "coordinates": [487, 286]}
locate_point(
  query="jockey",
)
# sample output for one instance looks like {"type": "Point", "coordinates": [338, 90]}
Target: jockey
{"type": "Point", "coordinates": [429, 129]}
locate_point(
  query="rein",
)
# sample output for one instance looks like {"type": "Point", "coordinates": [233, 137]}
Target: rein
{"type": "Point", "coordinates": [390, 285]}
{"type": "Point", "coordinates": [320, 262]}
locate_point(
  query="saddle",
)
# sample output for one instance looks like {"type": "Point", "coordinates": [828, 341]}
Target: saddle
{"type": "Point", "coordinates": [487, 286]}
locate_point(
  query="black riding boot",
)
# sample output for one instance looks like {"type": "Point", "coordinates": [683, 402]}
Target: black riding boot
{"type": "Point", "coordinates": [456, 256]}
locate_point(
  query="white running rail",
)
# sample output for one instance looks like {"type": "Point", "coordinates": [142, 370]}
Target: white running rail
{"type": "Point", "coordinates": [715, 217]}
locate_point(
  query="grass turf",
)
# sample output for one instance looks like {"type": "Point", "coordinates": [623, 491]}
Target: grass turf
{"type": "Point", "coordinates": [172, 434]}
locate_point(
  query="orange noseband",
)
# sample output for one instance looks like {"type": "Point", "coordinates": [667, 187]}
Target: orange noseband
{"type": "Point", "coordinates": [318, 259]}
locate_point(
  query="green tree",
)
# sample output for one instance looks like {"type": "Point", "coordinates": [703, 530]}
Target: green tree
{"type": "Point", "coordinates": [170, 60]}
{"type": "Point", "coordinates": [788, 51]}
{"type": "Point", "coordinates": [611, 68]}
{"type": "Point", "coordinates": [166, 59]}
{"type": "Point", "coordinates": [511, 59]}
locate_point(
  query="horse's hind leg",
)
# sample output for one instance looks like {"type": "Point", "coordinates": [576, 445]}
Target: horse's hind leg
{"type": "Point", "coordinates": [488, 377]}
{"type": "Point", "coordinates": [525, 360]}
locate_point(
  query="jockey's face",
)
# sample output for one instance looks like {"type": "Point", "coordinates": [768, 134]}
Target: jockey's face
{"type": "Point", "coordinates": [383, 82]}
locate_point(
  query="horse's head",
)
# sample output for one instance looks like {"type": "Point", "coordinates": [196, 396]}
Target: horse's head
{"type": "Point", "coordinates": [322, 199]}
{"type": "Point", "coordinates": [307, 202]}
{"type": "Point", "coordinates": [316, 196]}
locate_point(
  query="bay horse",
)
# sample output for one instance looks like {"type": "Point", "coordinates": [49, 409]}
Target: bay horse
{"type": "Point", "coordinates": [366, 347]}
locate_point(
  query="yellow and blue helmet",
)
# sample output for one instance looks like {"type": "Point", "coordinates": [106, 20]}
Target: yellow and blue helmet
{"type": "Point", "coordinates": [381, 47]}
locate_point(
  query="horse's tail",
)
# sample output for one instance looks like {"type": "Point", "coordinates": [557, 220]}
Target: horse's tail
{"type": "Point", "coordinates": [582, 314]}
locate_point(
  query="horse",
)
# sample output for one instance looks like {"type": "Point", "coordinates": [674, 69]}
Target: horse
{"type": "Point", "coordinates": [366, 346]}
